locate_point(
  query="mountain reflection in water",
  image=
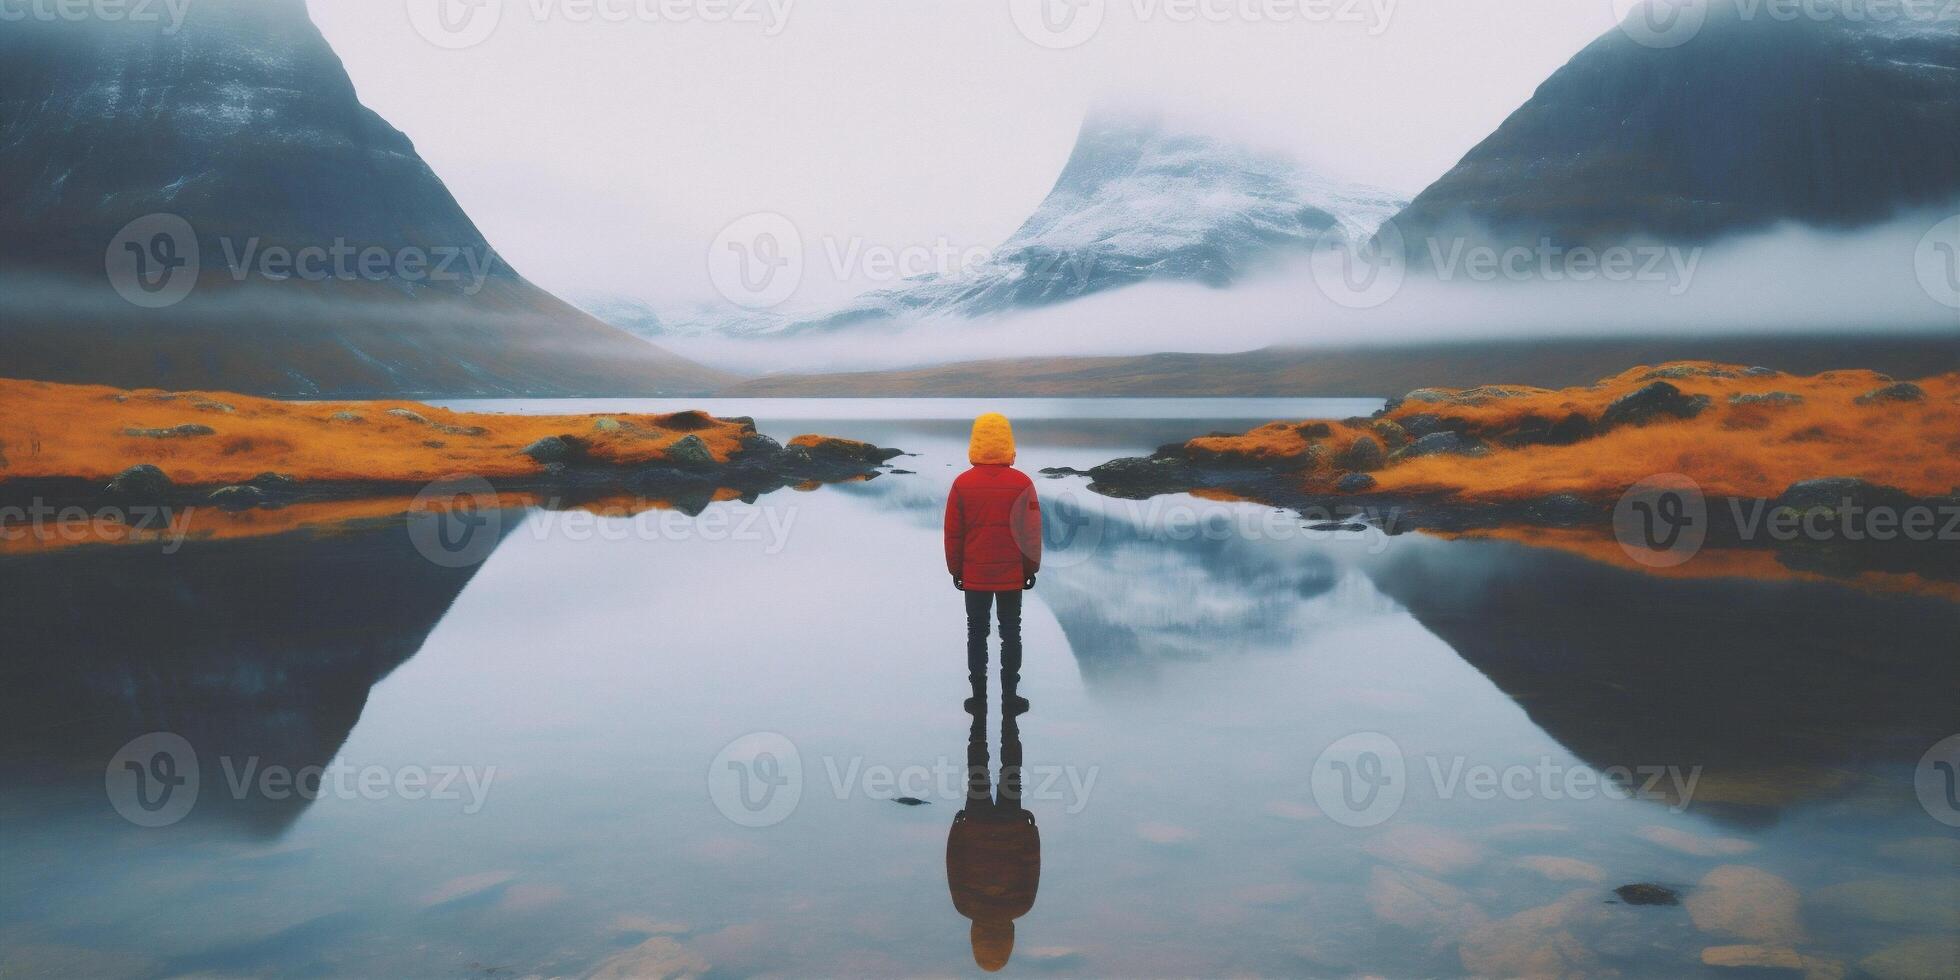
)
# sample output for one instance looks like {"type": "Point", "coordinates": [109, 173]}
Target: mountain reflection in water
{"type": "Point", "coordinates": [1185, 682]}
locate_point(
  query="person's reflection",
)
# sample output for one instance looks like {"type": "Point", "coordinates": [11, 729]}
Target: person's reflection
{"type": "Point", "coordinates": [993, 853]}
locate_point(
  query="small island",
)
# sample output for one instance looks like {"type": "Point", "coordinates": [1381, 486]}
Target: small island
{"type": "Point", "coordinates": [83, 445]}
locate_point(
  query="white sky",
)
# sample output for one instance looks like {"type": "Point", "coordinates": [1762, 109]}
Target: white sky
{"type": "Point", "coordinates": [603, 157]}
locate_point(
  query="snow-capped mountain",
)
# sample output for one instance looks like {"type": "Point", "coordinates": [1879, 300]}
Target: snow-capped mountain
{"type": "Point", "coordinates": [1138, 201]}
{"type": "Point", "coordinates": [1834, 121]}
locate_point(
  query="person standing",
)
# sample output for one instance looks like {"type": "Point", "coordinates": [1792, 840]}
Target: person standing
{"type": "Point", "coordinates": [993, 550]}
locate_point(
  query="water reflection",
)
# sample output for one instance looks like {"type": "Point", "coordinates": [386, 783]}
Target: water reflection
{"type": "Point", "coordinates": [1779, 691]}
{"type": "Point", "coordinates": [259, 652]}
{"type": "Point", "coordinates": [1187, 679]}
{"type": "Point", "coordinates": [993, 852]}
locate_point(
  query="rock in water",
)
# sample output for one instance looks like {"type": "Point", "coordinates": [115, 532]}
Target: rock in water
{"type": "Point", "coordinates": [1647, 894]}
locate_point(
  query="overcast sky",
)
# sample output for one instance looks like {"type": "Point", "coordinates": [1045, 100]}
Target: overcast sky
{"type": "Point", "coordinates": [602, 156]}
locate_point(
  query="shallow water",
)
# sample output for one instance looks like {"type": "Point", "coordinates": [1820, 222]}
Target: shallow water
{"type": "Point", "coordinates": [1189, 663]}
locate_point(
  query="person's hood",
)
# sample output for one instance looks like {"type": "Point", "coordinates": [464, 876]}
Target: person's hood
{"type": "Point", "coordinates": [993, 441]}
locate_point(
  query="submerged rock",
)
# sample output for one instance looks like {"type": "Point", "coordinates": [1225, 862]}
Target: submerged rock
{"type": "Point", "coordinates": [1643, 893]}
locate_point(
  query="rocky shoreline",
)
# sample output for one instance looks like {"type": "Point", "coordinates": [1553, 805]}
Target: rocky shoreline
{"type": "Point", "coordinates": [1451, 461]}
{"type": "Point", "coordinates": [131, 450]}
{"type": "Point", "coordinates": [688, 483]}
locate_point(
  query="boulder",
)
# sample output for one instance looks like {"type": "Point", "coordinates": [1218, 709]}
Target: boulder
{"type": "Point", "coordinates": [1355, 483]}
{"type": "Point", "coordinates": [1779, 399]}
{"type": "Point", "coordinates": [689, 451]}
{"type": "Point", "coordinates": [608, 425]}
{"type": "Point", "coordinates": [409, 416]}
{"type": "Point", "coordinates": [275, 482]}
{"type": "Point", "coordinates": [1391, 433]}
{"type": "Point", "coordinates": [143, 482]}
{"type": "Point", "coordinates": [1422, 424]}
{"type": "Point", "coordinates": [1904, 391]}
{"type": "Point", "coordinates": [1444, 442]}
{"type": "Point", "coordinates": [350, 417]}
{"type": "Point", "coordinates": [1364, 455]}
{"type": "Point", "coordinates": [1650, 403]}
{"type": "Point", "coordinates": [1837, 492]}
{"type": "Point", "coordinates": [1314, 430]}
{"type": "Point", "coordinates": [237, 498]}
{"type": "Point", "coordinates": [555, 449]}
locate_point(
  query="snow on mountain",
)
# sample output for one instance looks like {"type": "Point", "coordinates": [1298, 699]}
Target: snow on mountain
{"type": "Point", "coordinates": [1139, 201]}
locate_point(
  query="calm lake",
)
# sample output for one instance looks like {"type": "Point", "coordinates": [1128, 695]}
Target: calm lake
{"type": "Point", "coordinates": [671, 744]}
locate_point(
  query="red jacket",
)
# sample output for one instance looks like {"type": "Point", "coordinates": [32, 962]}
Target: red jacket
{"type": "Point", "coordinates": [993, 529]}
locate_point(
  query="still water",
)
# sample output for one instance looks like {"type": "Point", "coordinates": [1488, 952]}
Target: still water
{"type": "Point", "coordinates": [671, 744]}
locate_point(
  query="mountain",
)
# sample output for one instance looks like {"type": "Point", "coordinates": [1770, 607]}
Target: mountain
{"type": "Point", "coordinates": [1139, 200]}
{"type": "Point", "coordinates": [242, 123]}
{"type": "Point", "coordinates": [1835, 122]}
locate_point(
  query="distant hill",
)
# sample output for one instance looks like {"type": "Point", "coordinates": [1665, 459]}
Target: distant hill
{"type": "Point", "coordinates": [244, 124]}
{"type": "Point", "coordinates": [1754, 120]}
{"type": "Point", "coordinates": [1360, 372]}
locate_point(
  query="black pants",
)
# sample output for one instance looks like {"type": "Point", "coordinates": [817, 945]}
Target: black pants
{"type": "Point", "coordinates": [978, 607]}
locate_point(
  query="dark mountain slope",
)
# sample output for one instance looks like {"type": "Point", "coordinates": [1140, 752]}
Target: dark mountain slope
{"type": "Point", "coordinates": [244, 124]}
{"type": "Point", "coordinates": [1753, 121]}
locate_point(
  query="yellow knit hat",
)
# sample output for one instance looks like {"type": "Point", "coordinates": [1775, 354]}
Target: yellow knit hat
{"type": "Point", "coordinates": [993, 440]}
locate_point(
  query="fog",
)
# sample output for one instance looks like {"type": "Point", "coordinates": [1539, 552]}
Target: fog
{"type": "Point", "coordinates": [1786, 280]}
{"type": "Point", "coordinates": [602, 156]}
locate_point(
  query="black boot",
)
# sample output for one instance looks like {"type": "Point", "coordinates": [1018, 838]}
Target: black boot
{"type": "Point", "coordinates": [1011, 702]}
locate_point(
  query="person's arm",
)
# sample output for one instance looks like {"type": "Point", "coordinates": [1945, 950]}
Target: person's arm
{"type": "Point", "coordinates": [955, 534]}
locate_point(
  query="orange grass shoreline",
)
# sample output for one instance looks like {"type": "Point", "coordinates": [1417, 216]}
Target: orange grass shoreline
{"type": "Point", "coordinates": [1759, 433]}
{"type": "Point", "coordinates": [52, 431]}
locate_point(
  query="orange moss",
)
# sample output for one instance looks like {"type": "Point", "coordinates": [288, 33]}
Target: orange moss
{"type": "Point", "coordinates": [55, 430]}
{"type": "Point", "coordinates": [1752, 448]}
